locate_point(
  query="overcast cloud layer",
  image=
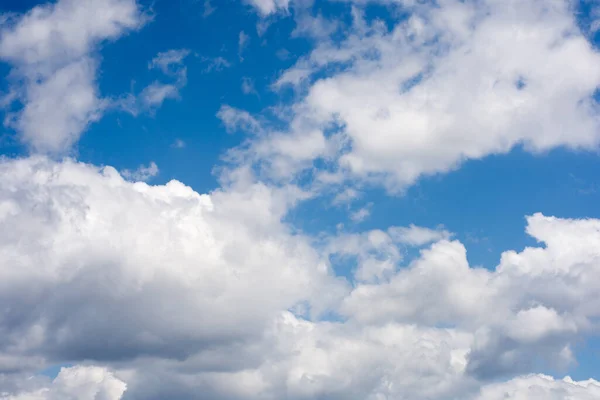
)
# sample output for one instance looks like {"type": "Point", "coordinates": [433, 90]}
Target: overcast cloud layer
{"type": "Point", "coordinates": [149, 292]}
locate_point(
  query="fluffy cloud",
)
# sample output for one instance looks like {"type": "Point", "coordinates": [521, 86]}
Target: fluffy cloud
{"type": "Point", "coordinates": [77, 383]}
{"type": "Point", "coordinates": [540, 387]}
{"type": "Point", "coordinates": [144, 270]}
{"type": "Point", "coordinates": [376, 254]}
{"type": "Point", "coordinates": [455, 81]}
{"type": "Point", "coordinates": [193, 296]}
{"type": "Point", "coordinates": [185, 293]}
{"type": "Point", "coordinates": [535, 304]}
{"type": "Point", "coordinates": [52, 51]}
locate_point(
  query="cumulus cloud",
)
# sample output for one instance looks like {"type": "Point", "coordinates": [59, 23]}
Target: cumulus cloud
{"type": "Point", "coordinates": [145, 270]}
{"type": "Point", "coordinates": [377, 253]}
{"type": "Point", "coordinates": [176, 294]}
{"type": "Point", "coordinates": [77, 383]}
{"type": "Point", "coordinates": [455, 81]}
{"type": "Point", "coordinates": [51, 49]}
{"type": "Point", "coordinates": [186, 293]}
{"type": "Point", "coordinates": [535, 304]}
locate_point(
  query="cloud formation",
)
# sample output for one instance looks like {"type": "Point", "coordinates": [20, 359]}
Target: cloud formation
{"type": "Point", "coordinates": [158, 291]}
{"type": "Point", "coordinates": [77, 383]}
{"type": "Point", "coordinates": [453, 82]}
{"type": "Point", "coordinates": [52, 51]}
{"type": "Point", "coordinates": [163, 273]}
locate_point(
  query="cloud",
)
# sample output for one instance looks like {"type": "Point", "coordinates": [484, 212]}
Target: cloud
{"type": "Point", "coordinates": [243, 41]}
{"type": "Point", "coordinates": [77, 383]}
{"type": "Point", "coordinates": [361, 214]}
{"type": "Point", "coordinates": [52, 51]}
{"type": "Point", "coordinates": [142, 173]}
{"type": "Point", "coordinates": [216, 64]}
{"type": "Point", "coordinates": [541, 387]}
{"type": "Point", "coordinates": [147, 271]}
{"type": "Point", "coordinates": [208, 9]}
{"type": "Point", "coordinates": [248, 86]}
{"type": "Point", "coordinates": [346, 196]}
{"type": "Point", "coordinates": [453, 82]}
{"type": "Point", "coordinates": [156, 93]}
{"type": "Point", "coordinates": [235, 119]}
{"type": "Point", "coordinates": [171, 63]}
{"type": "Point", "coordinates": [307, 360]}
{"type": "Point", "coordinates": [268, 7]}
{"type": "Point", "coordinates": [534, 305]}
{"type": "Point", "coordinates": [86, 254]}
{"type": "Point", "coordinates": [377, 253]}
{"type": "Point", "coordinates": [178, 144]}
{"type": "Point", "coordinates": [177, 294]}
{"type": "Point", "coordinates": [417, 235]}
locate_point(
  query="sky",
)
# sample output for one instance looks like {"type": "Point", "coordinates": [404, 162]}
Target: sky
{"type": "Point", "coordinates": [300, 199]}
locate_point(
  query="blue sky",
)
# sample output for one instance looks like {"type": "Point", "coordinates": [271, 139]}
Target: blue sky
{"type": "Point", "coordinates": [337, 157]}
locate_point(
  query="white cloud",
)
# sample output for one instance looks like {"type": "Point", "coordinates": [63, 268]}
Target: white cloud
{"type": "Point", "coordinates": [52, 51]}
{"type": "Point", "coordinates": [154, 95]}
{"type": "Point", "coordinates": [268, 7]}
{"type": "Point", "coordinates": [453, 82]}
{"type": "Point", "coordinates": [361, 214]}
{"type": "Point", "coordinates": [142, 173]}
{"type": "Point", "coordinates": [534, 305]}
{"type": "Point", "coordinates": [541, 387]}
{"type": "Point", "coordinates": [86, 253]}
{"type": "Point", "coordinates": [418, 235]}
{"type": "Point", "coordinates": [346, 196]}
{"type": "Point", "coordinates": [235, 119]}
{"type": "Point", "coordinates": [378, 253]}
{"type": "Point", "coordinates": [181, 293]}
{"type": "Point", "coordinates": [170, 62]}
{"type": "Point", "coordinates": [77, 383]}
{"type": "Point", "coordinates": [147, 271]}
